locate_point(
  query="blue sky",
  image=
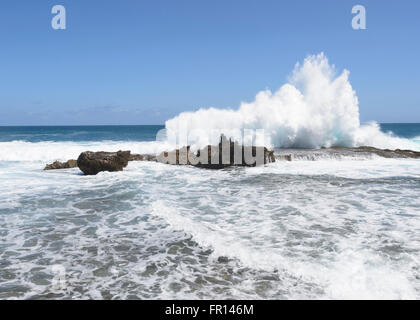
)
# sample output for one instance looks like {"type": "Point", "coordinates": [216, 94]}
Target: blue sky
{"type": "Point", "coordinates": [142, 62]}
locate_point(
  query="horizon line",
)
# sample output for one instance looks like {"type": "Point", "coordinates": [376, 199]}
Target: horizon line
{"type": "Point", "coordinates": [142, 125]}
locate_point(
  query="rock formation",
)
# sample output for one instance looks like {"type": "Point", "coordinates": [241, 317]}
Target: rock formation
{"type": "Point", "coordinates": [385, 153]}
{"type": "Point", "coordinates": [142, 157]}
{"type": "Point", "coordinates": [93, 162]}
{"type": "Point", "coordinates": [61, 165]}
{"type": "Point", "coordinates": [227, 153]}
{"type": "Point", "coordinates": [136, 157]}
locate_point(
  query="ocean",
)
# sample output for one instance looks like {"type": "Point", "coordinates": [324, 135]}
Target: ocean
{"type": "Point", "coordinates": [330, 228]}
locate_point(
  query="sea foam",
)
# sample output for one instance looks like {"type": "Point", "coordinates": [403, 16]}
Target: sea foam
{"type": "Point", "coordinates": [316, 108]}
{"type": "Point", "coordinates": [20, 150]}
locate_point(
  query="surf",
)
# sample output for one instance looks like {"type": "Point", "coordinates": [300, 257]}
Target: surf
{"type": "Point", "coordinates": [317, 108]}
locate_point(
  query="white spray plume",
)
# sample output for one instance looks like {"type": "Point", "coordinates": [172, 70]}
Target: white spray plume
{"type": "Point", "coordinates": [317, 108]}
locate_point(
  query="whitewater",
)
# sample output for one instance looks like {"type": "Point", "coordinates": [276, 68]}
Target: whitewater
{"type": "Point", "coordinates": [316, 108]}
{"type": "Point", "coordinates": [329, 228]}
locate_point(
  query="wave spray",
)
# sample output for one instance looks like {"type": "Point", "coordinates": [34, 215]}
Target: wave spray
{"type": "Point", "coordinates": [316, 108]}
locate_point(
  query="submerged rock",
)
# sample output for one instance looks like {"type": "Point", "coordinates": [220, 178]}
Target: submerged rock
{"type": "Point", "coordinates": [93, 162]}
{"type": "Point", "coordinates": [227, 153]}
{"type": "Point", "coordinates": [61, 165]}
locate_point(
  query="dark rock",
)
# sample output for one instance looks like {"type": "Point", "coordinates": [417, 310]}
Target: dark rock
{"type": "Point", "coordinates": [142, 157]}
{"type": "Point", "coordinates": [61, 165]}
{"type": "Point", "coordinates": [225, 154]}
{"type": "Point", "coordinates": [93, 162]}
{"type": "Point", "coordinates": [339, 152]}
{"type": "Point", "coordinates": [386, 153]}
{"type": "Point", "coordinates": [136, 157]}
{"type": "Point", "coordinates": [408, 153]}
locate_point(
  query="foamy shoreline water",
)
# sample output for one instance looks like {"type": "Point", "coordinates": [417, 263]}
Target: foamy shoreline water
{"type": "Point", "coordinates": [343, 227]}
{"type": "Point", "coordinates": [320, 229]}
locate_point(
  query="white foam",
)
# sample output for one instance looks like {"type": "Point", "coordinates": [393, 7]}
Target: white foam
{"type": "Point", "coordinates": [330, 232]}
{"type": "Point", "coordinates": [353, 169]}
{"type": "Point", "coordinates": [50, 151]}
{"type": "Point", "coordinates": [328, 237]}
{"type": "Point", "coordinates": [416, 140]}
{"type": "Point", "coordinates": [317, 108]}
{"type": "Point", "coordinates": [351, 273]}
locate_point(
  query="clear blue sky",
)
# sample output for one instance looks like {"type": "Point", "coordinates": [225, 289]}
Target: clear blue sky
{"type": "Point", "coordinates": [142, 62]}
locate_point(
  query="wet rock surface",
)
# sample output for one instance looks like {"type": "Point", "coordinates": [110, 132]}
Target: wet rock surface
{"type": "Point", "coordinates": [338, 153]}
{"type": "Point", "coordinates": [136, 157]}
{"type": "Point", "coordinates": [61, 165]}
{"type": "Point", "coordinates": [142, 157]}
{"type": "Point", "coordinates": [226, 154]}
{"type": "Point", "coordinates": [92, 163]}
{"type": "Point", "coordinates": [386, 153]}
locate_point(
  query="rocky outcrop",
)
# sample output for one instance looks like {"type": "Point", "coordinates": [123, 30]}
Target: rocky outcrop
{"type": "Point", "coordinates": [408, 153]}
{"type": "Point", "coordinates": [142, 157]}
{"type": "Point", "coordinates": [136, 157]}
{"type": "Point", "coordinates": [342, 153]}
{"type": "Point", "coordinates": [226, 154]}
{"type": "Point", "coordinates": [93, 162]}
{"type": "Point", "coordinates": [61, 165]}
{"type": "Point", "coordinates": [385, 153]}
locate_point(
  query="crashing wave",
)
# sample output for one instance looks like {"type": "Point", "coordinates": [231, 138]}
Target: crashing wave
{"type": "Point", "coordinates": [317, 108]}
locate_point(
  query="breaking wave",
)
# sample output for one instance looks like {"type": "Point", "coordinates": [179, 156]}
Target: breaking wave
{"type": "Point", "coordinates": [316, 108]}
